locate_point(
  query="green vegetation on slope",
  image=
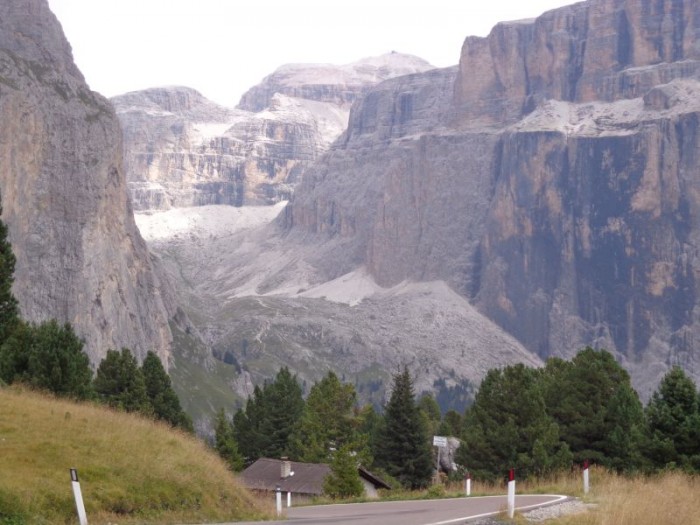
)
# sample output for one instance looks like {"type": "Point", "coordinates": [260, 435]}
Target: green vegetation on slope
{"type": "Point", "coordinates": [131, 469]}
{"type": "Point", "coordinates": [203, 384]}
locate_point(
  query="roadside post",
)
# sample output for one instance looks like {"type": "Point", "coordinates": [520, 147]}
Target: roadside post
{"type": "Point", "coordinates": [278, 498]}
{"type": "Point", "coordinates": [511, 493]}
{"type": "Point", "coordinates": [77, 493]}
{"type": "Point", "coordinates": [468, 483]}
{"type": "Point", "coordinates": [289, 499]}
{"type": "Point", "coordinates": [585, 477]}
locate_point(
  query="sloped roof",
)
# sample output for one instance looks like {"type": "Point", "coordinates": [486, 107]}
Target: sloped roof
{"type": "Point", "coordinates": [265, 474]}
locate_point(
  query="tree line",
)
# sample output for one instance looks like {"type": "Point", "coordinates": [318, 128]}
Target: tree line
{"type": "Point", "coordinates": [543, 420]}
{"type": "Point", "coordinates": [50, 357]}
{"type": "Point", "coordinates": [536, 420]}
{"type": "Point", "coordinates": [330, 427]}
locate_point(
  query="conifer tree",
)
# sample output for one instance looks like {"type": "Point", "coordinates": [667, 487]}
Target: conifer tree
{"type": "Point", "coordinates": [508, 427]}
{"type": "Point", "coordinates": [47, 356]}
{"type": "Point", "coordinates": [589, 398]}
{"type": "Point", "coordinates": [9, 310]}
{"type": "Point", "coordinates": [161, 395]}
{"type": "Point", "coordinates": [225, 442]}
{"type": "Point", "coordinates": [673, 419]}
{"type": "Point", "coordinates": [119, 382]}
{"type": "Point", "coordinates": [405, 450]}
{"type": "Point", "coordinates": [264, 427]}
{"type": "Point", "coordinates": [328, 422]}
{"type": "Point", "coordinates": [344, 478]}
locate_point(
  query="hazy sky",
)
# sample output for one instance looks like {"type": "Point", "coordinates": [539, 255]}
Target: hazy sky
{"type": "Point", "coordinates": [223, 47]}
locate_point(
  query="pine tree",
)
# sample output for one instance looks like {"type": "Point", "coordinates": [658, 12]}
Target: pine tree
{"type": "Point", "coordinates": [673, 419]}
{"type": "Point", "coordinates": [265, 426]}
{"type": "Point", "coordinates": [405, 450]}
{"type": "Point", "coordinates": [225, 442]}
{"type": "Point", "coordinates": [9, 310]}
{"type": "Point", "coordinates": [589, 398]}
{"type": "Point", "coordinates": [344, 478]}
{"type": "Point", "coordinates": [508, 427]}
{"type": "Point", "coordinates": [329, 422]}
{"type": "Point", "coordinates": [47, 356]}
{"type": "Point", "coordinates": [119, 382]}
{"type": "Point", "coordinates": [283, 407]}
{"type": "Point", "coordinates": [161, 395]}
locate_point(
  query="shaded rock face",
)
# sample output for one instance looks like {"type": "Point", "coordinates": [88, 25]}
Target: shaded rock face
{"type": "Point", "coordinates": [184, 150]}
{"type": "Point", "coordinates": [80, 257]}
{"type": "Point", "coordinates": [557, 188]}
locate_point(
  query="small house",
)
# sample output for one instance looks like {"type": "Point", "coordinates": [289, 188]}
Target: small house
{"type": "Point", "coordinates": [303, 480]}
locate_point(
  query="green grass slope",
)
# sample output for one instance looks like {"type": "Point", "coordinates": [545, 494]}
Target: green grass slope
{"type": "Point", "coordinates": [131, 470]}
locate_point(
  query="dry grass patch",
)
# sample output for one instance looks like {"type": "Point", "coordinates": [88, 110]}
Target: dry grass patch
{"type": "Point", "coordinates": [131, 469]}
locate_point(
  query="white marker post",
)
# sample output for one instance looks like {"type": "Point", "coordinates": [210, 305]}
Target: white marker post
{"type": "Point", "coordinates": [511, 493]}
{"type": "Point", "coordinates": [468, 484]}
{"type": "Point", "coordinates": [82, 517]}
{"type": "Point", "coordinates": [585, 477]}
{"type": "Point", "coordinates": [278, 498]}
{"type": "Point", "coordinates": [289, 499]}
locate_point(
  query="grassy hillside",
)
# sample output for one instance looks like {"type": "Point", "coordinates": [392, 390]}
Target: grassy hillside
{"type": "Point", "coordinates": [131, 470]}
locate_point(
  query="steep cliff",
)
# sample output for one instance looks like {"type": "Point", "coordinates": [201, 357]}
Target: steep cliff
{"type": "Point", "coordinates": [184, 150]}
{"type": "Point", "coordinates": [554, 182]}
{"type": "Point", "coordinates": [80, 257]}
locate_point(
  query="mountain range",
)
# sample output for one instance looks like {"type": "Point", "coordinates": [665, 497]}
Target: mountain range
{"type": "Point", "coordinates": [540, 196]}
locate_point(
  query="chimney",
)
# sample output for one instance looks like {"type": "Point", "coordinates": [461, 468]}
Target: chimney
{"type": "Point", "coordinates": [286, 468]}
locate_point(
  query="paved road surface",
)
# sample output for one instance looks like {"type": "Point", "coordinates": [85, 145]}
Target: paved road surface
{"type": "Point", "coordinates": [423, 512]}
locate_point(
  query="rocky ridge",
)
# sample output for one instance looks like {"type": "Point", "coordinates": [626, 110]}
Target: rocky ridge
{"type": "Point", "coordinates": [259, 305]}
{"type": "Point", "coordinates": [338, 85]}
{"type": "Point", "coordinates": [80, 257]}
{"type": "Point", "coordinates": [555, 193]}
{"type": "Point", "coordinates": [183, 150]}
{"type": "Point", "coordinates": [554, 189]}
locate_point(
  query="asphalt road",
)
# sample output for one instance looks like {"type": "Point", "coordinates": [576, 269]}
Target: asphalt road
{"type": "Point", "coordinates": [423, 512]}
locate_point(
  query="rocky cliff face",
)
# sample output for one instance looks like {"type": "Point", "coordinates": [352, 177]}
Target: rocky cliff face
{"type": "Point", "coordinates": [555, 185]}
{"type": "Point", "coordinates": [183, 150]}
{"type": "Point", "coordinates": [338, 85]}
{"type": "Point", "coordinates": [599, 50]}
{"type": "Point", "coordinates": [80, 257]}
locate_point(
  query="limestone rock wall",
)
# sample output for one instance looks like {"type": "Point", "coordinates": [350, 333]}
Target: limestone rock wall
{"type": "Point", "coordinates": [80, 257]}
{"type": "Point", "coordinates": [184, 150]}
{"type": "Point", "coordinates": [338, 85]}
{"type": "Point", "coordinates": [556, 188]}
{"type": "Point", "coordinates": [595, 50]}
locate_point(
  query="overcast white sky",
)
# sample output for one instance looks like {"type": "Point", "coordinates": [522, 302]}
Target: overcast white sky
{"type": "Point", "coordinates": [223, 47]}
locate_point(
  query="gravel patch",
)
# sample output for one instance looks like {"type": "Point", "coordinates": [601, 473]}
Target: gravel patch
{"type": "Point", "coordinates": [572, 506]}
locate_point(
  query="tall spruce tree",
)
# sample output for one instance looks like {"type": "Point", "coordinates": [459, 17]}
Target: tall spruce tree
{"type": "Point", "coordinates": [119, 382]}
{"type": "Point", "coordinates": [405, 450]}
{"type": "Point", "coordinates": [9, 310]}
{"type": "Point", "coordinates": [225, 442]}
{"type": "Point", "coordinates": [264, 427]}
{"type": "Point", "coordinates": [673, 419]}
{"type": "Point", "coordinates": [161, 395]}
